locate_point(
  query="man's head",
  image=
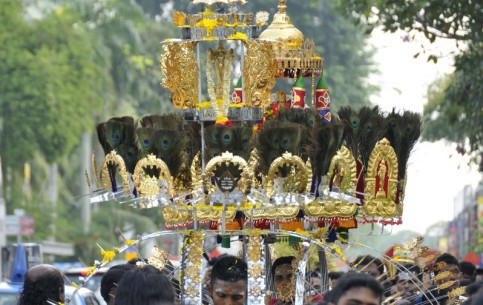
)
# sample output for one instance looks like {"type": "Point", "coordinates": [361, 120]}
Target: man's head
{"type": "Point", "coordinates": [369, 264]}
{"type": "Point", "coordinates": [144, 286]}
{"type": "Point", "coordinates": [282, 272]}
{"type": "Point", "coordinates": [110, 281]}
{"type": "Point", "coordinates": [334, 276]}
{"type": "Point", "coordinates": [406, 280]}
{"type": "Point", "coordinates": [316, 280]}
{"type": "Point", "coordinates": [356, 288]}
{"type": "Point", "coordinates": [229, 277]}
{"type": "Point", "coordinates": [468, 270]}
{"type": "Point", "coordinates": [42, 283]}
{"type": "Point", "coordinates": [450, 265]}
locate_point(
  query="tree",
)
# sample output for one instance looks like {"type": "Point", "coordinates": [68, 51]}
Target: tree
{"type": "Point", "coordinates": [45, 82]}
{"type": "Point", "coordinates": [460, 109]}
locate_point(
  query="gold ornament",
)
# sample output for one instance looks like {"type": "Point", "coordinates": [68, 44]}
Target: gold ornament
{"type": "Point", "coordinates": [147, 185]}
{"type": "Point", "coordinates": [180, 74]}
{"type": "Point", "coordinates": [381, 181]}
{"type": "Point", "coordinates": [219, 91]}
{"type": "Point", "coordinates": [176, 214]}
{"type": "Point", "coordinates": [342, 172]}
{"type": "Point", "coordinates": [228, 158]}
{"type": "Point", "coordinates": [283, 30]}
{"type": "Point", "coordinates": [296, 181]}
{"type": "Point", "coordinates": [337, 208]}
{"type": "Point", "coordinates": [202, 215]}
{"type": "Point", "coordinates": [114, 159]}
{"type": "Point", "coordinates": [259, 70]}
{"type": "Point", "coordinates": [159, 258]}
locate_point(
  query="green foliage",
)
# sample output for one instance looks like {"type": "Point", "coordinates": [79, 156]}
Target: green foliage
{"type": "Point", "coordinates": [455, 115]}
{"type": "Point", "coordinates": [45, 82]}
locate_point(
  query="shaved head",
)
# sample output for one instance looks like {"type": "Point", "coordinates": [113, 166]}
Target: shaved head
{"type": "Point", "coordinates": [42, 283]}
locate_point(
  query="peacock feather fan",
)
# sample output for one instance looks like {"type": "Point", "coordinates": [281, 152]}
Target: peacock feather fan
{"type": "Point", "coordinates": [163, 136]}
{"type": "Point", "coordinates": [276, 138]}
{"type": "Point", "coordinates": [403, 131]}
{"type": "Point", "coordinates": [242, 141]}
{"type": "Point", "coordinates": [307, 117]}
{"type": "Point", "coordinates": [362, 129]}
{"type": "Point", "coordinates": [325, 141]}
{"type": "Point", "coordinates": [218, 139]}
{"type": "Point", "coordinates": [118, 134]}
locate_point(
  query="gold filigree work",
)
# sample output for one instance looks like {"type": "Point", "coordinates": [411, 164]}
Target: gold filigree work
{"type": "Point", "coordinates": [180, 74]}
{"type": "Point", "coordinates": [259, 70]}
{"type": "Point", "coordinates": [381, 181]}
{"type": "Point", "coordinates": [114, 159]}
{"type": "Point", "coordinates": [342, 172]}
{"type": "Point", "coordinates": [227, 159]}
{"type": "Point", "coordinates": [147, 185]}
{"type": "Point", "coordinates": [176, 214]}
{"type": "Point", "coordinates": [297, 180]}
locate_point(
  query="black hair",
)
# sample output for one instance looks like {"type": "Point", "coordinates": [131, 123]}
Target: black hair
{"type": "Point", "coordinates": [355, 280]}
{"type": "Point", "coordinates": [364, 260]}
{"type": "Point", "coordinates": [144, 286]}
{"type": "Point", "coordinates": [479, 271]}
{"type": "Point", "coordinates": [448, 259]}
{"type": "Point", "coordinates": [229, 268]}
{"type": "Point", "coordinates": [414, 269]}
{"type": "Point", "coordinates": [284, 260]}
{"type": "Point", "coordinates": [316, 273]}
{"type": "Point", "coordinates": [468, 269]}
{"type": "Point", "coordinates": [112, 277]}
{"type": "Point", "coordinates": [39, 287]}
{"type": "Point", "coordinates": [333, 275]}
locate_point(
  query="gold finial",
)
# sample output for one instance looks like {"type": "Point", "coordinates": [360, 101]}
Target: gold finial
{"type": "Point", "coordinates": [282, 6]}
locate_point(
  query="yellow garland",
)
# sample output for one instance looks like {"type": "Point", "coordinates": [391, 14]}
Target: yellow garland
{"type": "Point", "coordinates": [238, 36]}
{"type": "Point", "coordinates": [208, 24]}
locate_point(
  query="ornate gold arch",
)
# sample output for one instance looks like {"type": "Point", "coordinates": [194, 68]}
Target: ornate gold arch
{"type": "Point", "coordinates": [228, 158]}
{"type": "Point", "coordinates": [382, 167]}
{"type": "Point", "coordinates": [114, 159]}
{"type": "Point", "coordinates": [299, 181]}
{"type": "Point", "coordinates": [147, 185]}
{"type": "Point", "coordinates": [343, 171]}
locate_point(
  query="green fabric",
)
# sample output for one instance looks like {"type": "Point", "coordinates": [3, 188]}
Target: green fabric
{"type": "Point", "coordinates": [299, 83]}
{"type": "Point", "coordinates": [322, 84]}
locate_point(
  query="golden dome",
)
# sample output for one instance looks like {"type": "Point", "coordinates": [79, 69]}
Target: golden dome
{"type": "Point", "coordinates": [283, 30]}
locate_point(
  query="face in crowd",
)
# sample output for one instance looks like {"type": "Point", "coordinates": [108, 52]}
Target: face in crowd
{"type": "Point", "coordinates": [406, 284]}
{"type": "Point", "coordinates": [229, 281]}
{"type": "Point", "coordinates": [356, 289]}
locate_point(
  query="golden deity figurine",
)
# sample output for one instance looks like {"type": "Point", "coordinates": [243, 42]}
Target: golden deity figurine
{"type": "Point", "coordinates": [219, 91]}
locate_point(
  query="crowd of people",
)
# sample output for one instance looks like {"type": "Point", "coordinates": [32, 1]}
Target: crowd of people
{"type": "Point", "coordinates": [226, 279]}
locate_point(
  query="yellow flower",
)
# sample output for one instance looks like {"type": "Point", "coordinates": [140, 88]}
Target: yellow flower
{"type": "Point", "coordinates": [238, 36]}
{"type": "Point", "coordinates": [108, 256]}
{"type": "Point", "coordinates": [302, 232]}
{"type": "Point", "coordinates": [130, 242]}
{"type": "Point", "coordinates": [91, 270]}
